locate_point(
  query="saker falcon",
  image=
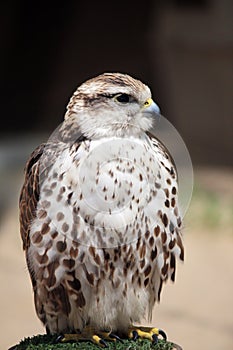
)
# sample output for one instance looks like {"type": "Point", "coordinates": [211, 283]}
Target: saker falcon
{"type": "Point", "coordinates": [99, 215]}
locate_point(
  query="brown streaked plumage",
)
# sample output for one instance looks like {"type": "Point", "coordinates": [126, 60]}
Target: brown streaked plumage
{"type": "Point", "coordinates": [29, 195]}
{"type": "Point", "coordinates": [99, 218]}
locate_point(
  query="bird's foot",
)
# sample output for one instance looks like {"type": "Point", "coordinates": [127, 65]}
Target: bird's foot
{"type": "Point", "coordinates": [90, 334]}
{"type": "Point", "coordinates": [150, 333]}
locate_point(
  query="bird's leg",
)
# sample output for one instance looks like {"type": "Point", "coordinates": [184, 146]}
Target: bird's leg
{"type": "Point", "coordinates": [98, 337]}
{"type": "Point", "coordinates": [150, 333]}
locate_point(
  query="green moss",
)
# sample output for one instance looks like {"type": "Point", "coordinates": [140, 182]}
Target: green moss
{"type": "Point", "coordinates": [48, 342]}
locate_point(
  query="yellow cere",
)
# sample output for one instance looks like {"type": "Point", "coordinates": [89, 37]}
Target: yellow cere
{"type": "Point", "coordinates": [148, 102]}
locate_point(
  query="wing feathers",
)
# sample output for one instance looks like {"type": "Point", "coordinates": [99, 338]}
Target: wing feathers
{"type": "Point", "coordinates": [29, 195]}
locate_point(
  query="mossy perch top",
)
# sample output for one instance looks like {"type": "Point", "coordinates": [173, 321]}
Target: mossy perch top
{"type": "Point", "coordinates": [48, 342]}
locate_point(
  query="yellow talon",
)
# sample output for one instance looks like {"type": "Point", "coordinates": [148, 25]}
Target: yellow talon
{"type": "Point", "coordinates": [146, 333]}
{"type": "Point", "coordinates": [155, 331]}
{"type": "Point", "coordinates": [99, 341]}
{"type": "Point", "coordinates": [96, 339]}
{"type": "Point", "coordinates": [100, 337]}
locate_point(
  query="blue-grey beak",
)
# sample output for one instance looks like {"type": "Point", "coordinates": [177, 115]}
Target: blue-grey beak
{"type": "Point", "coordinates": [154, 108]}
{"type": "Point", "coordinates": [151, 107]}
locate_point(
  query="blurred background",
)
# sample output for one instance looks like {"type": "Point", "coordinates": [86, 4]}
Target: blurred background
{"type": "Point", "coordinates": [183, 49]}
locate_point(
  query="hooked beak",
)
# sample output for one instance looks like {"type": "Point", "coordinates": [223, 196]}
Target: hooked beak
{"type": "Point", "coordinates": [151, 107]}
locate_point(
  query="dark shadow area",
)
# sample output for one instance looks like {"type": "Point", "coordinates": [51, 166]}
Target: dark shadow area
{"type": "Point", "coordinates": [181, 49]}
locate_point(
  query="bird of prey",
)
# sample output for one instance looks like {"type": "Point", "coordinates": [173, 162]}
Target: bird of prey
{"type": "Point", "coordinates": [99, 214]}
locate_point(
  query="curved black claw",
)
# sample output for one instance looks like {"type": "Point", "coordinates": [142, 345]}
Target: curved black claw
{"type": "Point", "coordinates": [59, 338]}
{"type": "Point", "coordinates": [135, 335]}
{"type": "Point", "coordinates": [154, 339]}
{"type": "Point", "coordinates": [114, 336]}
{"type": "Point", "coordinates": [163, 334]}
{"type": "Point", "coordinates": [103, 343]}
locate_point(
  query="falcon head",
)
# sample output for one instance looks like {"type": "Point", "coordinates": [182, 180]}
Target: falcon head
{"type": "Point", "coordinates": [111, 104]}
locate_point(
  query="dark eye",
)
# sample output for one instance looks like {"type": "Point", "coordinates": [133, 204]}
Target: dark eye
{"type": "Point", "coordinates": [122, 98]}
